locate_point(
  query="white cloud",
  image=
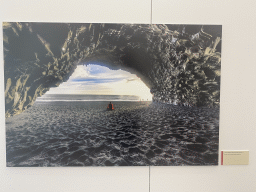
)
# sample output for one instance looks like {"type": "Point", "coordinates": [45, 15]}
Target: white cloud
{"type": "Point", "coordinates": [80, 72]}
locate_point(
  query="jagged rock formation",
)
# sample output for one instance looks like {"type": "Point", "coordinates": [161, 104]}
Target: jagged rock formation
{"type": "Point", "coordinates": [176, 62]}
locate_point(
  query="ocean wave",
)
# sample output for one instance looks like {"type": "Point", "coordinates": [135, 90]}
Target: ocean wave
{"type": "Point", "coordinates": [43, 100]}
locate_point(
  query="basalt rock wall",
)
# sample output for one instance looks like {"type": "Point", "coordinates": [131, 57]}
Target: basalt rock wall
{"type": "Point", "coordinates": [177, 62]}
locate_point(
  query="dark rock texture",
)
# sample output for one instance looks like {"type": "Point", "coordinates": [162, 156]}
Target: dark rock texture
{"type": "Point", "coordinates": [177, 62]}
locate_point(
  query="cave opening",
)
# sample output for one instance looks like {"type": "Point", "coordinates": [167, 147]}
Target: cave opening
{"type": "Point", "coordinates": [97, 80]}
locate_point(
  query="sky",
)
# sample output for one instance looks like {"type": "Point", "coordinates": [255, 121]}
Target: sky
{"type": "Point", "coordinates": [99, 80]}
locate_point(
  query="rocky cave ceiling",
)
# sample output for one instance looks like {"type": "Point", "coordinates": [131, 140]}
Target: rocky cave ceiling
{"type": "Point", "coordinates": [177, 62]}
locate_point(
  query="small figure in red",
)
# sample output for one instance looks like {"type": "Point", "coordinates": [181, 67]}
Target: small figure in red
{"type": "Point", "coordinates": [110, 106]}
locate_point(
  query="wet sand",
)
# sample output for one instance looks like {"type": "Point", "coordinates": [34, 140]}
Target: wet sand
{"type": "Point", "coordinates": [134, 134]}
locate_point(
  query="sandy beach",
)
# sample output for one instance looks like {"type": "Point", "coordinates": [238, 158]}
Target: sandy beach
{"type": "Point", "coordinates": [134, 134]}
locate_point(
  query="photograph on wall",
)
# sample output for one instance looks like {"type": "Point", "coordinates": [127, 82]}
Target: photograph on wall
{"type": "Point", "coordinates": [103, 94]}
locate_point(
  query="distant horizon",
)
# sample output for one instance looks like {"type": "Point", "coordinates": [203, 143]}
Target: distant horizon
{"type": "Point", "coordinates": [88, 97]}
{"type": "Point", "coordinates": [84, 94]}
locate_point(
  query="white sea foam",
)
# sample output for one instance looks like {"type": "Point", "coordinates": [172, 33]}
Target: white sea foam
{"type": "Point", "coordinates": [44, 100]}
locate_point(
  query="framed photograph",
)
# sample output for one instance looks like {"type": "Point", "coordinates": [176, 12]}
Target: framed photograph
{"type": "Point", "coordinates": [98, 94]}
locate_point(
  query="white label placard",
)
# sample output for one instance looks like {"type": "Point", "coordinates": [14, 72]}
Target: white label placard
{"type": "Point", "coordinates": [234, 157]}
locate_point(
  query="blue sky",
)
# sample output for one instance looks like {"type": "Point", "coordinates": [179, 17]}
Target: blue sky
{"type": "Point", "coordinates": [98, 80]}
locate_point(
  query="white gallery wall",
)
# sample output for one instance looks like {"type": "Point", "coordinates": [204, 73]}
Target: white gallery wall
{"type": "Point", "coordinates": [238, 96]}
